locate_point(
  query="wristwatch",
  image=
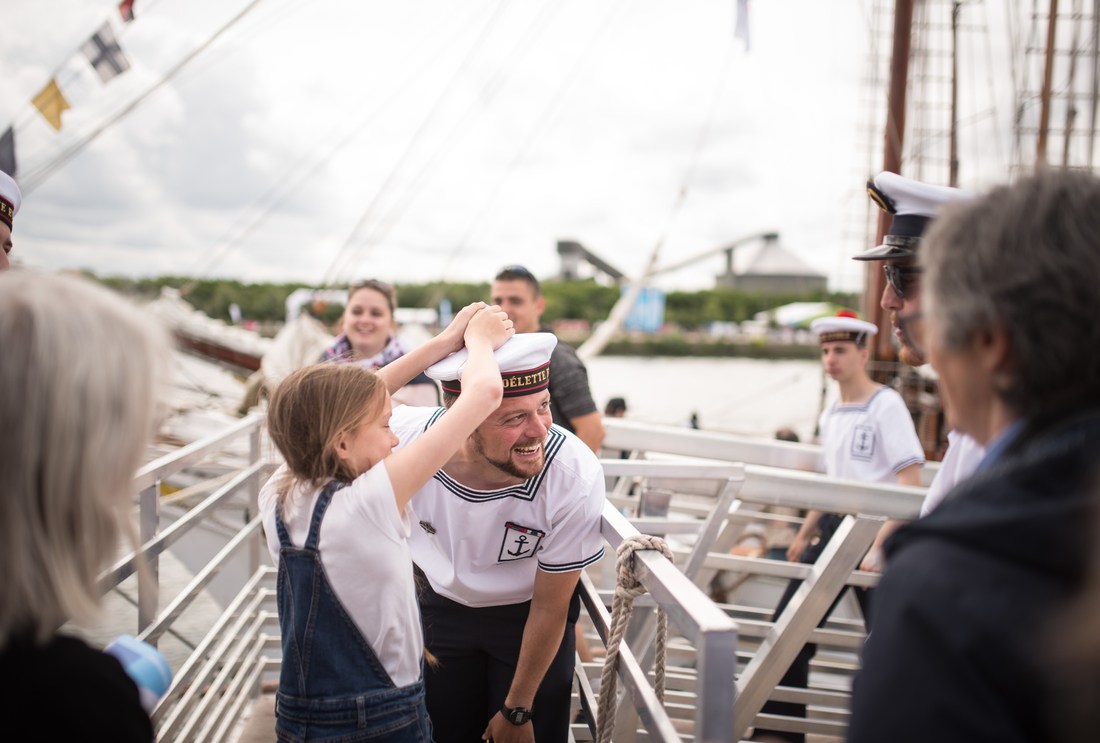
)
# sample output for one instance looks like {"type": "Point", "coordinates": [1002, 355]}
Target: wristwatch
{"type": "Point", "coordinates": [516, 715]}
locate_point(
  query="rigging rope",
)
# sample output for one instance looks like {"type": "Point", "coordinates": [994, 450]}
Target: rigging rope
{"type": "Point", "coordinates": [541, 122]}
{"type": "Point", "coordinates": [37, 177]}
{"type": "Point", "coordinates": [628, 588]}
{"type": "Point", "coordinates": [341, 258]}
{"type": "Point", "coordinates": [489, 93]}
{"type": "Point", "coordinates": [604, 332]}
{"type": "Point", "coordinates": [290, 181]}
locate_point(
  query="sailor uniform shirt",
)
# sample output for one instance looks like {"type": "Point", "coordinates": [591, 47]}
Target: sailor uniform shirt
{"type": "Point", "coordinates": [870, 441]}
{"type": "Point", "coordinates": [484, 547]}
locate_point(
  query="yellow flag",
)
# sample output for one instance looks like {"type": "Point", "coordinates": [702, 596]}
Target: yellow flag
{"type": "Point", "coordinates": [51, 103]}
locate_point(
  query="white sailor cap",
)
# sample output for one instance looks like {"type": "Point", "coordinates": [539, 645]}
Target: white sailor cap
{"type": "Point", "coordinates": [10, 199]}
{"type": "Point", "coordinates": [845, 326]}
{"type": "Point", "coordinates": [524, 361]}
{"type": "Point", "coordinates": [913, 205]}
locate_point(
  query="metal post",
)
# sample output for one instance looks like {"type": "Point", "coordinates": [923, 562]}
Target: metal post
{"type": "Point", "coordinates": [148, 525]}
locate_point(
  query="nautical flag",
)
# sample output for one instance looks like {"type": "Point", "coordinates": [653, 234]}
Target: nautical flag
{"type": "Point", "coordinates": [741, 30]}
{"type": "Point", "coordinates": [126, 10]}
{"type": "Point", "coordinates": [104, 53]}
{"type": "Point", "coordinates": [7, 152]}
{"type": "Point", "coordinates": [50, 103]}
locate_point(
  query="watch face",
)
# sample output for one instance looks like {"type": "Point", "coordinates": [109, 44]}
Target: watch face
{"type": "Point", "coordinates": [518, 715]}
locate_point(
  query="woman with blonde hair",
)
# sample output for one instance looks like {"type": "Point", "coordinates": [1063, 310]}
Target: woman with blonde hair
{"type": "Point", "coordinates": [337, 519]}
{"type": "Point", "coordinates": [79, 370]}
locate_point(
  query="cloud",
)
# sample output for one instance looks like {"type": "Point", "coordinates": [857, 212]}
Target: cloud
{"type": "Point", "coordinates": [463, 136]}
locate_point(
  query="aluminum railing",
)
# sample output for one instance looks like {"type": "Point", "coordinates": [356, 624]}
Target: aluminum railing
{"type": "Point", "coordinates": [781, 474]}
{"type": "Point", "coordinates": [222, 674]}
{"type": "Point", "coordinates": [724, 663]}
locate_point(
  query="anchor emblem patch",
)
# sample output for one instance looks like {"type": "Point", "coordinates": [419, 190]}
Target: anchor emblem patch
{"type": "Point", "coordinates": [863, 442]}
{"type": "Point", "coordinates": [520, 542]}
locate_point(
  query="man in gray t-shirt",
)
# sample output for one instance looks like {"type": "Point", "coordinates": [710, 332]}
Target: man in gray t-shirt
{"type": "Point", "coordinates": [517, 291]}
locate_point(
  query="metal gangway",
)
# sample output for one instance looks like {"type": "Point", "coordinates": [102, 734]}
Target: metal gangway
{"type": "Point", "coordinates": [790, 475]}
{"type": "Point", "coordinates": [223, 689]}
{"type": "Point", "coordinates": [695, 489]}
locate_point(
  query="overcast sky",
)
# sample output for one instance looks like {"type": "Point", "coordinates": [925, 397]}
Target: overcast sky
{"type": "Point", "coordinates": [420, 140]}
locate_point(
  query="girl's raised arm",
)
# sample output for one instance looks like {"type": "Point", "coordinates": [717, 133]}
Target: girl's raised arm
{"type": "Point", "coordinates": [409, 468]}
{"type": "Point", "coordinates": [399, 372]}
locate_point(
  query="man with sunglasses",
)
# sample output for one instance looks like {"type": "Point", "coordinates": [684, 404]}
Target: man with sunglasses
{"type": "Point", "coordinates": [913, 205]}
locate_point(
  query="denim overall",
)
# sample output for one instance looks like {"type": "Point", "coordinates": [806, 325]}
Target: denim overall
{"type": "Point", "coordinates": [332, 686]}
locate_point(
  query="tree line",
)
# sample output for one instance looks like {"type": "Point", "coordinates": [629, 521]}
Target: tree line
{"type": "Point", "coordinates": [575, 300]}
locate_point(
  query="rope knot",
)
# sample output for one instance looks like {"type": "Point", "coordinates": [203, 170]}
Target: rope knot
{"type": "Point", "coordinates": [627, 582]}
{"type": "Point", "coordinates": [627, 588]}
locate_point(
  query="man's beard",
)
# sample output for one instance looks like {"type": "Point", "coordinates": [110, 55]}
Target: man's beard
{"type": "Point", "coordinates": [907, 354]}
{"type": "Point", "coordinates": [507, 466]}
{"type": "Point", "coordinates": [910, 356]}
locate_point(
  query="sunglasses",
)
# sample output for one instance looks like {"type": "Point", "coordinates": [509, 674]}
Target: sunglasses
{"type": "Point", "coordinates": [901, 279]}
{"type": "Point", "coordinates": [516, 271]}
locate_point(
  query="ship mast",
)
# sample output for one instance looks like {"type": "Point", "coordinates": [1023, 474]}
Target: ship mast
{"type": "Point", "coordinates": [894, 138]}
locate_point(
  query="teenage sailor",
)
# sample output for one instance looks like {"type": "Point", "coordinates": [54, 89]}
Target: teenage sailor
{"type": "Point", "coordinates": [867, 435]}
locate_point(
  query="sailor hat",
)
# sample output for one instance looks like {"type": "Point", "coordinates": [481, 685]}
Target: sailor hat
{"type": "Point", "coordinates": [845, 326]}
{"type": "Point", "coordinates": [10, 199]}
{"type": "Point", "coordinates": [524, 361]}
{"type": "Point", "coordinates": [913, 205]}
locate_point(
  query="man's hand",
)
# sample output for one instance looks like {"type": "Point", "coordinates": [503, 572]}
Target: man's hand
{"type": "Point", "coordinates": [500, 730]}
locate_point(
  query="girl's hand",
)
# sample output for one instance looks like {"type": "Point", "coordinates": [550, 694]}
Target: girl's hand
{"type": "Point", "coordinates": [454, 333]}
{"type": "Point", "coordinates": [490, 325]}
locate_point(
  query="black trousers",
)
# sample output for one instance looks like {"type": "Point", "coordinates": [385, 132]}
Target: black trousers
{"type": "Point", "coordinates": [477, 650]}
{"type": "Point", "coordinates": [798, 674]}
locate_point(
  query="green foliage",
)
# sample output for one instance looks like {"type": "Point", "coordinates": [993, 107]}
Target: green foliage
{"type": "Point", "coordinates": [581, 300]}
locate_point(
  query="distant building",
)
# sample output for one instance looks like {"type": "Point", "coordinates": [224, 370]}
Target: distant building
{"type": "Point", "coordinates": [773, 270]}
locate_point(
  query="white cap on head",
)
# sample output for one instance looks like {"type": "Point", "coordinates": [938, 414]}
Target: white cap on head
{"type": "Point", "coordinates": [913, 204]}
{"type": "Point", "coordinates": [524, 361]}
{"type": "Point", "coordinates": [10, 199]}
{"type": "Point", "coordinates": [845, 326]}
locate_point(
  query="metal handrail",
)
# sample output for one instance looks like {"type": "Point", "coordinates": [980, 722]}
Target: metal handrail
{"type": "Point", "coordinates": [788, 475]}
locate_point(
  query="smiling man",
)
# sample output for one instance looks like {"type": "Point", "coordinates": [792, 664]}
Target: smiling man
{"type": "Point", "coordinates": [505, 528]}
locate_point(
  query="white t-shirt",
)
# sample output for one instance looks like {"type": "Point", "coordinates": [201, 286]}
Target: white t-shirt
{"type": "Point", "coordinates": [365, 552]}
{"type": "Point", "coordinates": [960, 461]}
{"type": "Point", "coordinates": [484, 547]}
{"type": "Point", "coordinates": [869, 441]}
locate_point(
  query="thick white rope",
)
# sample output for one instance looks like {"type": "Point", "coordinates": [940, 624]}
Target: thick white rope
{"type": "Point", "coordinates": [628, 588]}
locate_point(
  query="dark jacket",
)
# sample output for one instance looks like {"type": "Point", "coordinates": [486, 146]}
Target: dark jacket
{"type": "Point", "coordinates": [970, 593]}
{"type": "Point", "coordinates": [67, 691]}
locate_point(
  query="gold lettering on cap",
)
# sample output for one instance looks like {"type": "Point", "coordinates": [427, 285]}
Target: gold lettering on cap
{"type": "Point", "coordinates": [514, 381]}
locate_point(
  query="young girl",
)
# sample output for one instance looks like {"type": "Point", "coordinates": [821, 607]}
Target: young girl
{"type": "Point", "coordinates": [337, 518]}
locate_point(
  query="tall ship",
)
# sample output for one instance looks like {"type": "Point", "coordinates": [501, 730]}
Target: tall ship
{"type": "Point", "coordinates": [707, 675]}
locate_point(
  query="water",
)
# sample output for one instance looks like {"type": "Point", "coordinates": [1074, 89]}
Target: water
{"type": "Point", "coordinates": [736, 395]}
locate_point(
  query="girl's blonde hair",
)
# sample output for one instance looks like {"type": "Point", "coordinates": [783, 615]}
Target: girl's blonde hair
{"type": "Point", "coordinates": [79, 374]}
{"type": "Point", "coordinates": [307, 413]}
